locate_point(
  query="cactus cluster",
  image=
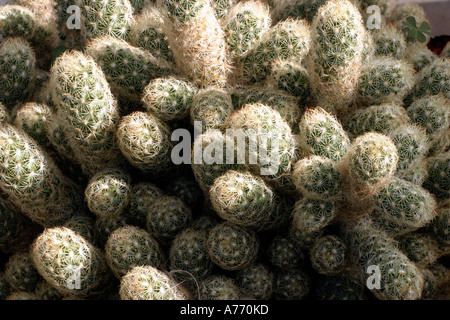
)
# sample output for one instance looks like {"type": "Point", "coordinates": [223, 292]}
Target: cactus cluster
{"type": "Point", "coordinates": [222, 150]}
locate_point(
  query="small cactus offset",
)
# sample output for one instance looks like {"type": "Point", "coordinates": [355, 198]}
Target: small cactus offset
{"type": "Point", "coordinates": [389, 41]}
{"type": "Point", "coordinates": [21, 273]}
{"type": "Point", "coordinates": [287, 40]}
{"type": "Point", "coordinates": [219, 287]}
{"type": "Point", "coordinates": [438, 178]}
{"type": "Point", "coordinates": [291, 285]}
{"type": "Point", "coordinates": [169, 98]}
{"type": "Point", "coordinates": [128, 69]}
{"type": "Point", "coordinates": [256, 281]}
{"type": "Point", "coordinates": [222, 7]}
{"type": "Point", "coordinates": [283, 254]}
{"type": "Point", "coordinates": [328, 255]}
{"type": "Point", "coordinates": [17, 68]}
{"type": "Point", "coordinates": [232, 247]}
{"type": "Point", "coordinates": [420, 56]}
{"type": "Point", "coordinates": [150, 283]}
{"type": "Point", "coordinates": [17, 21]}
{"type": "Point", "coordinates": [421, 248]}
{"type": "Point", "coordinates": [128, 247]}
{"type": "Point", "coordinates": [142, 196]}
{"type": "Point", "coordinates": [312, 215]}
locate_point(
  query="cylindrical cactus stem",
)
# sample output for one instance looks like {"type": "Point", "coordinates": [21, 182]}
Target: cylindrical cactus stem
{"type": "Point", "coordinates": [167, 217]}
{"type": "Point", "coordinates": [232, 247]}
{"type": "Point", "coordinates": [385, 80]}
{"type": "Point", "coordinates": [439, 176]}
{"type": "Point", "coordinates": [105, 17]}
{"type": "Point", "coordinates": [256, 281]}
{"type": "Point", "coordinates": [403, 207]}
{"type": "Point", "coordinates": [150, 283]}
{"type": "Point", "coordinates": [169, 98]}
{"type": "Point", "coordinates": [369, 164]}
{"type": "Point", "coordinates": [35, 119]}
{"type": "Point", "coordinates": [382, 118]}
{"type": "Point", "coordinates": [89, 111]}
{"type": "Point", "coordinates": [419, 55]}
{"type": "Point", "coordinates": [317, 177]}
{"type": "Point", "coordinates": [389, 41]}
{"type": "Point", "coordinates": [431, 80]}
{"type": "Point", "coordinates": [147, 33]}
{"type": "Point", "coordinates": [328, 255]}
{"type": "Point", "coordinates": [222, 7]}
{"type": "Point", "coordinates": [433, 114]}
{"type": "Point", "coordinates": [17, 68]}
{"type": "Point", "coordinates": [17, 21]}
{"type": "Point", "coordinates": [197, 41]}
{"type": "Point", "coordinates": [108, 192]}
{"type": "Point", "coordinates": [291, 284]}
{"type": "Point", "coordinates": [142, 196]}
{"type": "Point", "coordinates": [32, 181]}
{"type": "Point", "coordinates": [144, 140]}
{"type": "Point", "coordinates": [421, 248]}
{"type": "Point", "coordinates": [69, 263]}
{"type": "Point", "coordinates": [83, 225]}
{"type": "Point", "coordinates": [287, 40]}
{"type": "Point", "coordinates": [128, 69]}
{"type": "Point", "coordinates": [244, 25]}
{"type": "Point", "coordinates": [312, 215]}
{"type": "Point", "coordinates": [128, 247]}
{"type": "Point", "coordinates": [219, 287]}
{"type": "Point", "coordinates": [322, 134]}
{"type": "Point", "coordinates": [292, 77]}
{"type": "Point", "coordinates": [210, 108]}
{"type": "Point", "coordinates": [188, 258]}
{"type": "Point", "coordinates": [305, 9]}
{"type": "Point", "coordinates": [338, 35]}
{"type": "Point", "coordinates": [242, 198]}
{"type": "Point", "coordinates": [21, 273]}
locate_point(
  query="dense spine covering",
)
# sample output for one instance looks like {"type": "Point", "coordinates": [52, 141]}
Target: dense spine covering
{"type": "Point", "coordinates": [197, 41]}
{"type": "Point", "coordinates": [21, 273]}
{"type": "Point", "coordinates": [438, 178]}
{"type": "Point", "coordinates": [389, 41]}
{"type": "Point", "coordinates": [219, 287]}
{"type": "Point", "coordinates": [17, 21]}
{"type": "Point", "coordinates": [283, 254]}
{"type": "Point", "coordinates": [291, 285]}
{"type": "Point", "coordinates": [421, 248]}
{"type": "Point", "coordinates": [312, 215]}
{"type": "Point", "coordinates": [336, 54]}
{"type": "Point", "coordinates": [17, 69]}
{"type": "Point", "coordinates": [328, 255]}
{"type": "Point", "coordinates": [142, 196]}
{"type": "Point", "coordinates": [256, 281]}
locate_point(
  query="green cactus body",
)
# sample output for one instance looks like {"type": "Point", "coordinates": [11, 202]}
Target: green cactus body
{"type": "Point", "coordinates": [381, 118]}
{"type": "Point", "coordinates": [130, 246]}
{"type": "Point", "coordinates": [244, 26]}
{"type": "Point", "coordinates": [210, 107]}
{"type": "Point", "coordinates": [128, 69]}
{"type": "Point", "coordinates": [389, 41]}
{"type": "Point", "coordinates": [312, 215]}
{"type": "Point", "coordinates": [108, 192]}
{"type": "Point", "coordinates": [83, 225]}
{"type": "Point", "coordinates": [222, 7]}
{"type": "Point", "coordinates": [329, 255]}
{"type": "Point", "coordinates": [17, 21]}
{"type": "Point", "coordinates": [139, 5]}
{"type": "Point", "coordinates": [232, 247]}
{"type": "Point", "coordinates": [439, 175]}
{"type": "Point", "coordinates": [291, 285]}
{"type": "Point", "coordinates": [69, 263]}
{"type": "Point", "coordinates": [242, 198]}
{"type": "Point", "coordinates": [317, 177]}
{"type": "Point", "coordinates": [167, 217]}
{"type": "Point", "coordinates": [292, 77]}
{"type": "Point", "coordinates": [385, 80]}
{"type": "Point", "coordinates": [271, 149]}
{"type": "Point", "coordinates": [32, 181]}
{"type": "Point", "coordinates": [433, 114]}
{"type": "Point", "coordinates": [322, 134]}
{"type": "Point", "coordinates": [440, 227]}
{"type": "Point", "coordinates": [283, 253]}
{"type": "Point", "coordinates": [420, 56]}
{"type": "Point", "coordinates": [370, 162]}
{"type": "Point", "coordinates": [142, 196]}
{"type": "Point", "coordinates": [338, 35]}
{"type": "Point", "coordinates": [431, 80]}
{"type": "Point", "coordinates": [188, 256]}
{"type": "Point", "coordinates": [149, 283]}
{"type": "Point", "coordinates": [89, 111]}
{"type": "Point", "coordinates": [197, 41]}
{"type": "Point", "coordinates": [104, 226]}
{"type": "Point", "coordinates": [169, 98]}
{"type": "Point", "coordinates": [17, 68]}
{"type": "Point", "coordinates": [403, 207]}
{"type": "Point", "coordinates": [219, 287]}
{"type": "Point", "coordinates": [144, 140]}
{"type": "Point", "coordinates": [34, 119]}
{"type": "Point", "coordinates": [20, 272]}
{"type": "Point", "coordinates": [205, 169]}
{"type": "Point", "coordinates": [287, 105]}
{"type": "Point", "coordinates": [105, 17]}
{"type": "Point", "coordinates": [256, 281]}
{"type": "Point", "coordinates": [147, 33]}
{"type": "Point", "coordinates": [287, 40]}
{"type": "Point", "coordinates": [305, 9]}
{"type": "Point", "coordinates": [421, 248]}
